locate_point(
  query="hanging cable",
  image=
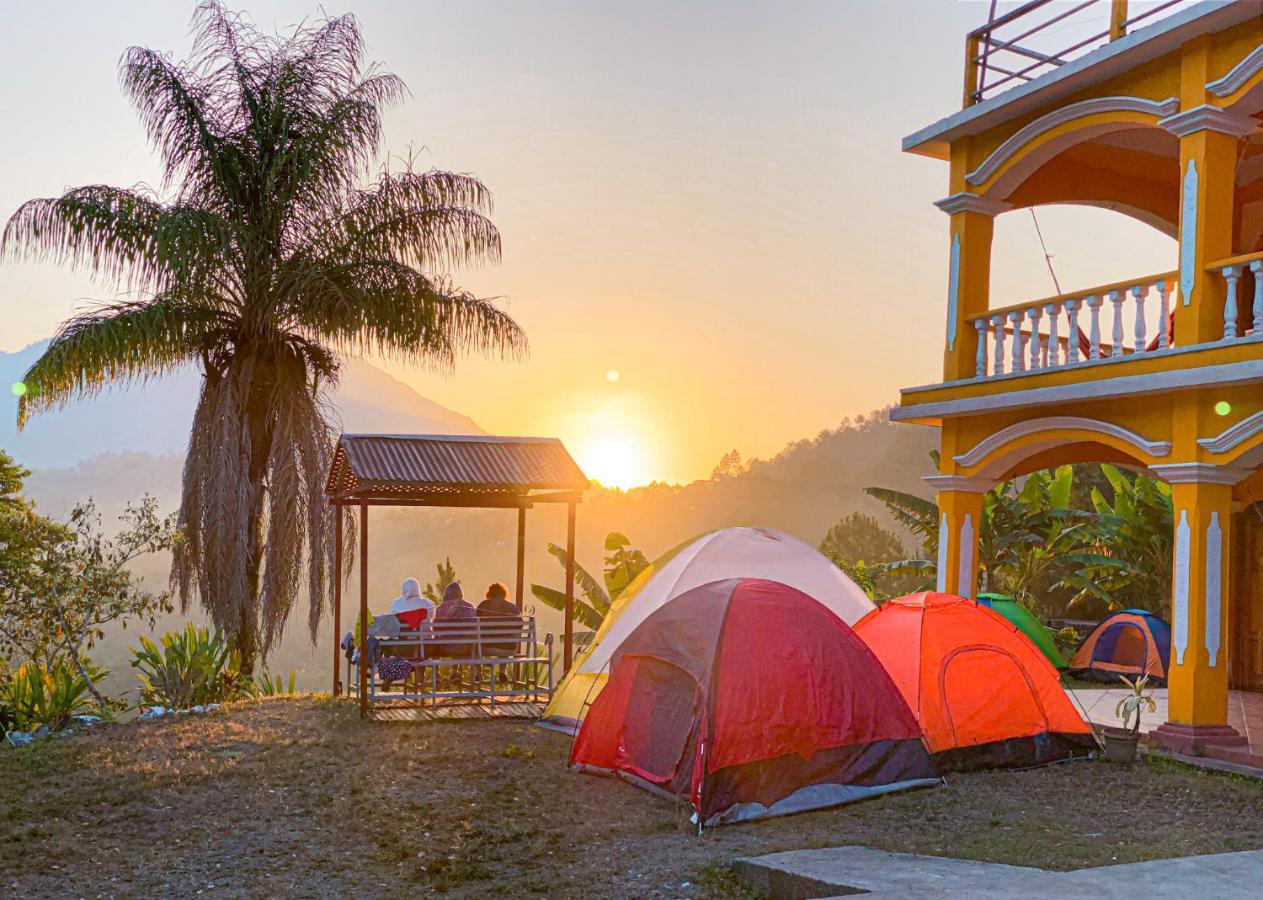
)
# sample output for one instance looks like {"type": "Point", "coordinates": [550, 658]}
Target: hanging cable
{"type": "Point", "coordinates": [1047, 255]}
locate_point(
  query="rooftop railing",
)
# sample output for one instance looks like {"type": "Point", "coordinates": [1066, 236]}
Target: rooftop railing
{"type": "Point", "coordinates": [1039, 36]}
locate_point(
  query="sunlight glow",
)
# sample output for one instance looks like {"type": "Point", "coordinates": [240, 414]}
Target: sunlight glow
{"type": "Point", "coordinates": [615, 460]}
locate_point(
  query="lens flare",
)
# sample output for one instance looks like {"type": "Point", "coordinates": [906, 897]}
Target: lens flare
{"type": "Point", "coordinates": [1223, 407]}
{"type": "Point", "coordinates": [19, 389]}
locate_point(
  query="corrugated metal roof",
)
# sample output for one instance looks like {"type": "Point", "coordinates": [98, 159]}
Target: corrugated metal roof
{"type": "Point", "coordinates": [396, 464]}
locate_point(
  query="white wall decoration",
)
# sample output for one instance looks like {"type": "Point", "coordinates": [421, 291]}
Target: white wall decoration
{"type": "Point", "coordinates": [965, 579]}
{"type": "Point", "coordinates": [1179, 606]}
{"type": "Point", "coordinates": [953, 292]}
{"type": "Point", "coordinates": [1188, 234]}
{"type": "Point", "coordinates": [942, 554]}
{"type": "Point", "coordinates": [1214, 587]}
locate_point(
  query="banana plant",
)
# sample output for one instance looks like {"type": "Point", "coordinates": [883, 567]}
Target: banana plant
{"type": "Point", "coordinates": [593, 599]}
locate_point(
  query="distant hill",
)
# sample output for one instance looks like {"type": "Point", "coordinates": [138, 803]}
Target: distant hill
{"type": "Point", "coordinates": [154, 418]}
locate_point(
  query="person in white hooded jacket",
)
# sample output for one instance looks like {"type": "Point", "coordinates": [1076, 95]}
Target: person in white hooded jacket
{"type": "Point", "coordinates": [413, 610]}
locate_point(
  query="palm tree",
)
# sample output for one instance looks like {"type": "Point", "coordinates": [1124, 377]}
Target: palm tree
{"type": "Point", "coordinates": [264, 260]}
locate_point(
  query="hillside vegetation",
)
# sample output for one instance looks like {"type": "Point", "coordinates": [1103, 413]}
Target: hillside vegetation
{"type": "Point", "coordinates": [803, 490]}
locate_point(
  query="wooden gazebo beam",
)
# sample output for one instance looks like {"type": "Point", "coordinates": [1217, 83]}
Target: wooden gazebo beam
{"type": "Point", "coordinates": [568, 643]}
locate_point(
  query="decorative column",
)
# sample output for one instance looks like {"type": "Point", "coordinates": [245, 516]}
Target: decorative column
{"type": "Point", "coordinates": [1209, 140]}
{"type": "Point", "coordinates": [968, 278]}
{"type": "Point", "coordinates": [1197, 678]}
{"type": "Point", "coordinates": [960, 521]}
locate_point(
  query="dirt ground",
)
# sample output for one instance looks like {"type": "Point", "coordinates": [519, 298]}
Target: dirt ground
{"type": "Point", "coordinates": [298, 798]}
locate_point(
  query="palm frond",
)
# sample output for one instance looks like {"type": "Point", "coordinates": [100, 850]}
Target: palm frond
{"type": "Point", "coordinates": [119, 343]}
{"type": "Point", "coordinates": [555, 599]}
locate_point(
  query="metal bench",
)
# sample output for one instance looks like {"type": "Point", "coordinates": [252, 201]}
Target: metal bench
{"type": "Point", "coordinates": [516, 665]}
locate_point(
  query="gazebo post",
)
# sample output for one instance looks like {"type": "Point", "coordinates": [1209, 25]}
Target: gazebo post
{"type": "Point", "coordinates": [521, 555]}
{"type": "Point", "coordinates": [568, 643]}
{"type": "Point", "coordinates": [363, 610]}
{"type": "Point", "coordinates": [337, 598]}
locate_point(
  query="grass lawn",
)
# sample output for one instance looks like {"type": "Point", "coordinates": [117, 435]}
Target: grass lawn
{"type": "Point", "coordinates": [297, 797]}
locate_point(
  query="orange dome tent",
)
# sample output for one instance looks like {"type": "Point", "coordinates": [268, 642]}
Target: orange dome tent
{"type": "Point", "coordinates": [985, 696]}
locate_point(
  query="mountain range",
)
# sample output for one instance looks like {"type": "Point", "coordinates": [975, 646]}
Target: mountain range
{"type": "Point", "coordinates": [154, 417]}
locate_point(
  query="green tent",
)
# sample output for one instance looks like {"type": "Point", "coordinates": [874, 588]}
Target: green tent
{"type": "Point", "coordinates": [1030, 626]}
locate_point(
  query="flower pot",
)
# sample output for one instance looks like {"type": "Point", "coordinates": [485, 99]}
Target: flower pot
{"type": "Point", "coordinates": [1120, 745]}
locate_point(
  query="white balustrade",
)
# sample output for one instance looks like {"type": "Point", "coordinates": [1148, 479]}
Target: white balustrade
{"type": "Point", "coordinates": [1256, 269]}
{"type": "Point", "coordinates": [1072, 333]}
{"type": "Point", "coordinates": [1054, 345]}
{"type": "Point", "coordinates": [997, 362]}
{"type": "Point", "coordinates": [1231, 275]}
{"type": "Point", "coordinates": [1033, 314]}
{"type": "Point", "coordinates": [1049, 334]}
{"type": "Point", "coordinates": [1015, 320]}
{"type": "Point", "coordinates": [1164, 314]}
{"type": "Point", "coordinates": [1116, 297]}
{"type": "Point", "coordinates": [1094, 342]}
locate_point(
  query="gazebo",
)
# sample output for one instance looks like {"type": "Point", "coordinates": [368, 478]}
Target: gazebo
{"type": "Point", "coordinates": [473, 471]}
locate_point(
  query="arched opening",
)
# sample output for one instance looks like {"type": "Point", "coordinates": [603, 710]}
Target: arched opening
{"type": "Point", "coordinates": [1088, 245]}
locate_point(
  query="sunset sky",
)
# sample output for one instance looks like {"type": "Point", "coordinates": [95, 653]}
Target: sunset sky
{"type": "Point", "coordinates": [706, 197]}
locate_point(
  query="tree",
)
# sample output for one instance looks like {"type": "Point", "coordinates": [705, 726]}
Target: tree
{"type": "Point", "coordinates": [1022, 537]}
{"type": "Point", "coordinates": [861, 537]}
{"type": "Point", "coordinates": [593, 600]}
{"type": "Point", "coordinates": [446, 573]}
{"type": "Point", "coordinates": [62, 583]}
{"type": "Point", "coordinates": [264, 262]}
{"type": "Point", "coordinates": [730, 465]}
{"type": "Point", "coordinates": [860, 547]}
{"type": "Point", "coordinates": [1126, 562]}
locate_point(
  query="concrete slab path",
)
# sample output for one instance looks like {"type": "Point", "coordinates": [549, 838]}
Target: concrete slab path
{"type": "Point", "coordinates": [847, 871]}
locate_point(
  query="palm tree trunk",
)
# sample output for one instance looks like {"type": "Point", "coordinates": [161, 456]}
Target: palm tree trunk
{"type": "Point", "coordinates": [260, 451]}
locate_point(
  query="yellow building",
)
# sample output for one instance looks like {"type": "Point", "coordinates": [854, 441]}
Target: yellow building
{"type": "Point", "coordinates": [1157, 117]}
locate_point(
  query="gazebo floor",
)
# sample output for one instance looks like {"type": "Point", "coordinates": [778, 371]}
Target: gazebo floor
{"type": "Point", "coordinates": [453, 711]}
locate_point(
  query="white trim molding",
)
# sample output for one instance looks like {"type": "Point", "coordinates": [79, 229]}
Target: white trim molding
{"type": "Point", "coordinates": [1104, 388]}
{"type": "Point", "coordinates": [1068, 113]}
{"type": "Point", "coordinates": [1209, 118]}
{"type": "Point", "coordinates": [1214, 586]}
{"type": "Point", "coordinates": [1234, 435]}
{"type": "Point", "coordinates": [964, 201]}
{"type": "Point", "coordinates": [1238, 75]}
{"type": "Point", "coordinates": [964, 578]}
{"type": "Point", "coordinates": [962, 483]}
{"type": "Point", "coordinates": [1179, 596]}
{"type": "Point", "coordinates": [993, 442]}
{"type": "Point", "coordinates": [1196, 473]}
{"type": "Point", "coordinates": [942, 554]}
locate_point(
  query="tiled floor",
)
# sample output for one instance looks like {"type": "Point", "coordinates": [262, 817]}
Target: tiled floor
{"type": "Point", "coordinates": [1245, 712]}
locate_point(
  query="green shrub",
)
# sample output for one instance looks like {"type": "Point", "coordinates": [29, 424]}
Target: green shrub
{"type": "Point", "coordinates": [266, 685]}
{"type": "Point", "coordinates": [192, 668]}
{"type": "Point", "coordinates": [31, 696]}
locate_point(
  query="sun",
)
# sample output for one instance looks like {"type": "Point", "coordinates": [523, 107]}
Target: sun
{"type": "Point", "coordinates": [615, 460]}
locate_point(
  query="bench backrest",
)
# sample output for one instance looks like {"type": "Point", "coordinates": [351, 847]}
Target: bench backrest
{"type": "Point", "coordinates": [494, 631]}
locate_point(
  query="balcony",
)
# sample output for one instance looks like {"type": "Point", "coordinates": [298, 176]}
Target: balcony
{"type": "Point", "coordinates": [1111, 340]}
{"type": "Point", "coordinates": [1040, 36]}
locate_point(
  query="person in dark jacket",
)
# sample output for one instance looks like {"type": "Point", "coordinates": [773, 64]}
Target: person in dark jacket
{"type": "Point", "coordinates": [497, 608]}
{"type": "Point", "coordinates": [455, 610]}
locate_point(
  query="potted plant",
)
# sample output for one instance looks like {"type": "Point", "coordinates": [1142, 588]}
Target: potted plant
{"type": "Point", "coordinates": [1120, 743]}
